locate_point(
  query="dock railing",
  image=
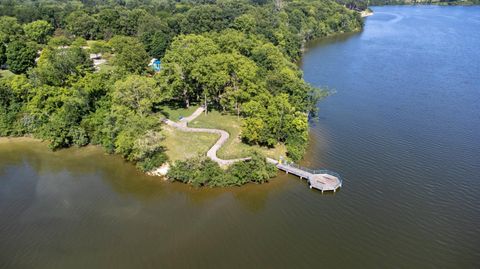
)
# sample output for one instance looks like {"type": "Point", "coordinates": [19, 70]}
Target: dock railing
{"type": "Point", "coordinates": [312, 171]}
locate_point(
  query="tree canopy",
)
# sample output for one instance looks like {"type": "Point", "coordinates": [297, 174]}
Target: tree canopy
{"type": "Point", "coordinates": [21, 56]}
{"type": "Point", "coordinates": [38, 31]}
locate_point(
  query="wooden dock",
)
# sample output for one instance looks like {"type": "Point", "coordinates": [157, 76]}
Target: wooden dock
{"type": "Point", "coordinates": [323, 180]}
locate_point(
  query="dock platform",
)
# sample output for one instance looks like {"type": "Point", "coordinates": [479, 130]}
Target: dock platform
{"type": "Point", "coordinates": [323, 180]}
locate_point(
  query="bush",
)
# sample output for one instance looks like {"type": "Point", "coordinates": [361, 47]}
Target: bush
{"type": "Point", "coordinates": [152, 162]}
{"type": "Point", "coordinates": [202, 171]}
{"type": "Point", "coordinates": [199, 172]}
{"type": "Point", "coordinates": [296, 148]}
{"type": "Point", "coordinates": [79, 42]}
{"type": "Point", "coordinates": [100, 46]}
{"type": "Point", "coordinates": [59, 41]}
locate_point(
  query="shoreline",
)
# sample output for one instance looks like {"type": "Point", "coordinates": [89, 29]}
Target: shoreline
{"type": "Point", "coordinates": [6, 139]}
{"type": "Point", "coordinates": [366, 13]}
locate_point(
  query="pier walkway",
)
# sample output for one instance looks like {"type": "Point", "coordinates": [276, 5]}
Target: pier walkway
{"type": "Point", "coordinates": [320, 179]}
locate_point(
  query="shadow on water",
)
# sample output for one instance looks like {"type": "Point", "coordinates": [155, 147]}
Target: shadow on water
{"type": "Point", "coordinates": [332, 39]}
{"type": "Point", "coordinates": [79, 163]}
{"type": "Point", "coordinates": [338, 38]}
{"type": "Point", "coordinates": [123, 177]}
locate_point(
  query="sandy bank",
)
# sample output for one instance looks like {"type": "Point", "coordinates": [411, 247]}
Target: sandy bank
{"type": "Point", "coordinates": [366, 13]}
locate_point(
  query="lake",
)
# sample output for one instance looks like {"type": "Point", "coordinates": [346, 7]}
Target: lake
{"type": "Point", "coordinates": [402, 128]}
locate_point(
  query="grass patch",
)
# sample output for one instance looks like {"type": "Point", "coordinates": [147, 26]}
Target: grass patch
{"type": "Point", "coordinates": [183, 145]}
{"type": "Point", "coordinates": [234, 147]}
{"type": "Point", "coordinates": [106, 67]}
{"type": "Point", "coordinates": [5, 73]}
{"type": "Point", "coordinates": [174, 113]}
{"type": "Point", "coordinates": [91, 42]}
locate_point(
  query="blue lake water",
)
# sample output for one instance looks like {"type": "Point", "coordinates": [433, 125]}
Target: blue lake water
{"type": "Point", "coordinates": [404, 129]}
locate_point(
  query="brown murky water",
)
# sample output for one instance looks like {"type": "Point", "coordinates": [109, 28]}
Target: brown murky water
{"type": "Point", "coordinates": [403, 130]}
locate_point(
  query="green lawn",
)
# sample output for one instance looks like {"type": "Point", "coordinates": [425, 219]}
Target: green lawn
{"type": "Point", "coordinates": [233, 148]}
{"type": "Point", "coordinates": [5, 73]}
{"type": "Point", "coordinates": [174, 113]}
{"type": "Point", "coordinates": [91, 42]}
{"type": "Point", "coordinates": [106, 67]}
{"type": "Point", "coordinates": [182, 145]}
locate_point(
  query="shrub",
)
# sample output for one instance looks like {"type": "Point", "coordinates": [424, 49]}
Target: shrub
{"type": "Point", "coordinates": [202, 171]}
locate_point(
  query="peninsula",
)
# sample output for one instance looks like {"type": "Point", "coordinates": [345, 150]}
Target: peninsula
{"type": "Point", "coordinates": [126, 76]}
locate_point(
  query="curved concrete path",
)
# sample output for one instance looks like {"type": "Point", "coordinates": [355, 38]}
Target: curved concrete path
{"type": "Point", "coordinates": [182, 125]}
{"type": "Point", "coordinates": [323, 182]}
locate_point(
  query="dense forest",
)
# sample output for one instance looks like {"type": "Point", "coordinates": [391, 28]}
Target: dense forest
{"type": "Point", "coordinates": [237, 57]}
{"type": "Point", "coordinates": [363, 4]}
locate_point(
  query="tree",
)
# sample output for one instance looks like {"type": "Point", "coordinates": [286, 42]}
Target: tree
{"type": "Point", "coordinates": [7, 111]}
{"type": "Point", "coordinates": [148, 150]}
{"type": "Point", "coordinates": [199, 172]}
{"type": "Point", "coordinates": [128, 127]}
{"type": "Point", "coordinates": [38, 31]}
{"type": "Point", "coordinates": [256, 170]}
{"type": "Point", "coordinates": [81, 24]}
{"type": "Point", "coordinates": [175, 76]}
{"type": "Point", "coordinates": [130, 54]}
{"type": "Point", "coordinates": [94, 87]}
{"type": "Point", "coordinates": [54, 114]}
{"type": "Point", "coordinates": [270, 120]}
{"type": "Point", "coordinates": [270, 57]}
{"type": "Point", "coordinates": [137, 93]}
{"type": "Point", "coordinates": [58, 66]}
{"type": "Point", "coordinates": [231, 41]}
{"type": "Point", "coordinates": [108, 23]}
{"type": "Point", "coordinates": [59, 41]}
{"type": "Point", "coordinates": [9, 28]}
{"type": "Point", "coordinates": [229, 78]}
{"type": "Point", "coordinates": [205, 18]}
{"type": "Point", "coordinates": [245, 23]}
{"type": "Point", "coordinates": [3, 54]}
{"type": "Point", "coordinates": [156, 43]}
{"type": "Point", "coordinates": [155, 35]}
{"type": "Point", "coordinates": [21, 56]}
{"type": "Point", "coordinates": [202, 171]}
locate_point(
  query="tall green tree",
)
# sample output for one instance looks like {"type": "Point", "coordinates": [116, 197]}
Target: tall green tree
{"type": "Point", "coordinates": [3, 54]}
{"type": "Point", "coordinates": [178, 63]}
{"type": "Point", "coordinates": [137, 93]}
{"type": "Point", "coordinates": [81, 24]}
{"type": "Point", "coordinates": [9, 29]}
{"type": "Point", "coordinates": [245, 23]}
{"type": "Point", "coordinates": [270, 120]}
{"type": "Point", "coordinates": [59, 66]}
{"type": "Point", "coordinates": [130, 54]}
{"type": "Point", "coordinates": [156, 43]}
{"type": "Point", "coordinates": [229, 78]}
{"type": "Point", "coordinates": [38, 31]}
{"type": "Point", "coordinates": [54, 114]}
{"type": "Point", "coordinates": [21, 56]}
{"type": "Point", "coordinates": [205, 18]}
